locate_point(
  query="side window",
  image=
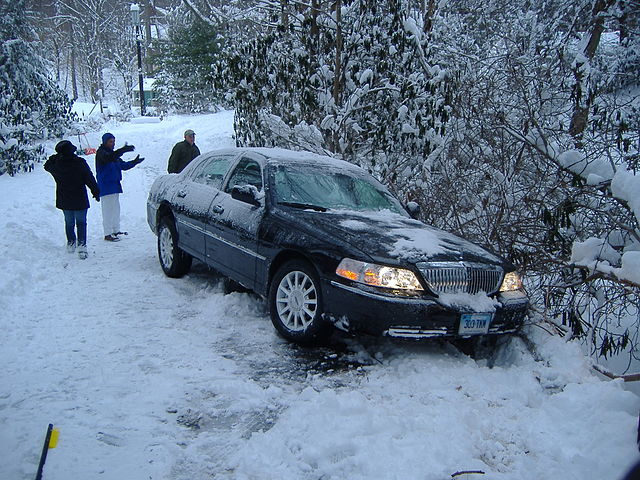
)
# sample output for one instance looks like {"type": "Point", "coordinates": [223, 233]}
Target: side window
{"type": "Point", "coordinates": [247, 172]}
{"type": "Point", "coordinates": [213, 171]}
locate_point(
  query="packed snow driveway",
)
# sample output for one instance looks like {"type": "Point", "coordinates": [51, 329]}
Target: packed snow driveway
{"type": "Point", "coordinates": [150, 377]}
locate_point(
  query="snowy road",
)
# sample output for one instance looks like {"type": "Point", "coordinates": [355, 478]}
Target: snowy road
{"type": "Point", "coordinates": [154, 378]}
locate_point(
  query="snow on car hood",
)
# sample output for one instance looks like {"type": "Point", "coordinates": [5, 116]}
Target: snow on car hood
{"type": "Point", "coordinates": [387, 236]}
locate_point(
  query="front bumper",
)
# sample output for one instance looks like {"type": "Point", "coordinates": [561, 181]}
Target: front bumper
{"type": "Point", "coordinates": [354, 309]}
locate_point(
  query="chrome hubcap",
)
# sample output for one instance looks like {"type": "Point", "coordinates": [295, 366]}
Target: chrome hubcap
{"type": "Point", "coordinates": [296, 301]}
{"type": "Point", "coordinates": [166, 247]}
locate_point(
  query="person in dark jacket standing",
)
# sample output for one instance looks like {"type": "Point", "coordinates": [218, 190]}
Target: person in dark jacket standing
{"type": "Point", "coordinates": [183, 152]}
{"type": "Point", "coordinates": [109, 167]}
{"type": "Point", "coordinates": [72, 176]}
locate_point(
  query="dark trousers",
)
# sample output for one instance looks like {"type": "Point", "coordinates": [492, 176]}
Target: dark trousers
{"type": "Point", "coordinates": [73, 219]}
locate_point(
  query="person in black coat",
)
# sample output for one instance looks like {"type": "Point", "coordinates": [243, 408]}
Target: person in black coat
{"type": "Point", "coordinates": [72, 176]}
{"type": "Point", "coordinates": [183, 152]}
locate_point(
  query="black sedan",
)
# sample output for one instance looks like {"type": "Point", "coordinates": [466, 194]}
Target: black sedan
{"type": "Point", "coordinates": [328, 246]}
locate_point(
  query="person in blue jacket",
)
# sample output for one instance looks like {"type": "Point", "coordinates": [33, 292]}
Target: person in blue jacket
{"type": "Point", "coordinates": [109, 167]}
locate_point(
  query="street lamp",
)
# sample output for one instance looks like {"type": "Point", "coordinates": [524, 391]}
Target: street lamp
{"type": "Point", "coordinates": [135, 19]}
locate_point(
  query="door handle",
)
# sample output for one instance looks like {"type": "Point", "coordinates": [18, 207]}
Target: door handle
{"type": "Point", "coordinates": [218, 209]}
{"type": "Point", "coordinates": [182, 193]}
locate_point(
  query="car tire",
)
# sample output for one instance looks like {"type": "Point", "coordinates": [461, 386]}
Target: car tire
{"type": "Point", "coordinates": [175, 263]}
{"type": "Point", "coordinates": [295, 303]}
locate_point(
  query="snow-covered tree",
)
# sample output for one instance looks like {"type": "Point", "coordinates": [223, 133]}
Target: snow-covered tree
{"type": "Point", "coordinates": [351, 78]}
{"type": "Point", "coordinates": [191, 66]}
{"type": "Point", "coordinates": [541, 153]}
{"type": "Point", "coordinates": [497, 115]}
{"type": "Point", "coordinates": [32, 106]}
{"type": "Point", "coordinates": [83, 38]}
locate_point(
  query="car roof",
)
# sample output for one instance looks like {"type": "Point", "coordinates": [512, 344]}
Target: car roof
{"type": "Point", "coordinates": [284, 156]}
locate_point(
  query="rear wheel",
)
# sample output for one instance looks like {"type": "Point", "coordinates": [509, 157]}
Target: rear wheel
{"type": "Point", "coordinates": [175, 263]}
{"type": "Point", "coordinates": [295, 303]}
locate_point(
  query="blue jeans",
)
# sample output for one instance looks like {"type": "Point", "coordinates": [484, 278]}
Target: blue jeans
{"type": "Point", "coordinates": [73, 218]}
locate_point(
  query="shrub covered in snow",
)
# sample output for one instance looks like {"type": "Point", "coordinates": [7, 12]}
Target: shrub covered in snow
{"type": "Point", "coordinates": [32, 106]}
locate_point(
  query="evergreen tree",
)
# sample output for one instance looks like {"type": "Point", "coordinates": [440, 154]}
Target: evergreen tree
{"type": "Point", "coordinates": [350, 78]}
{"type": "Point", "coordinates": [191, 75]}
{"type": "Point", "coordinates": [32, 106]}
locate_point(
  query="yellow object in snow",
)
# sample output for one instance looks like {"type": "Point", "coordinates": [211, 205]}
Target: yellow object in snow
{"type": "Point", "coordinates": [53, 441]}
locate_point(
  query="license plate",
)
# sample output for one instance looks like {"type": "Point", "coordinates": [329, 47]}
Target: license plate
{"type": "Point", "coordinates": [474, 323]}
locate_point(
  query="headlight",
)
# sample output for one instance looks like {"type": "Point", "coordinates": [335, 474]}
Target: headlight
{"type": "Point", "coordinates": [378, 275]}
{"type": "Point", "coordinates": [512, 281]}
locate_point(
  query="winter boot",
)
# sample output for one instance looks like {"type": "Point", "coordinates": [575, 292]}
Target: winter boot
{"type": "Point", "coordinates": [71, 247]}
{"type": "Point", "coordinates": [82, 252]}
{"type": "Point", "coordinates": [111, 238]}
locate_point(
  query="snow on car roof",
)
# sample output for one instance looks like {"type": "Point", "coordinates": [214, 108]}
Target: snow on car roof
{"type": "Point", "coordinates": [295, 156]}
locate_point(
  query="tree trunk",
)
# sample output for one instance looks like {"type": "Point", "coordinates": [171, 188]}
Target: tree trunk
{"type": "Point", "coordinates": [284, 13]}
{"type": "Point", "coordinates": [337, 78]}
{"type": "Point", "coordinates": [146, 21]}
{"type": "Point", "coordinates": [628, 21]}
{"type": "Point", "coordinates": [72, 61]}
{"type": "Point", "coordinates": [427, 15]}
{"type": "Point", "coordinates": [337, 74]}
{"type": "Point", "coordinates": [584, 98]}
{"type": "Point", "coordinates": [315, 31]}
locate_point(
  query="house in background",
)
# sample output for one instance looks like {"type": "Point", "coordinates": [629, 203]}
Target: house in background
{"type": "Point", "coordinates": [149, 95]}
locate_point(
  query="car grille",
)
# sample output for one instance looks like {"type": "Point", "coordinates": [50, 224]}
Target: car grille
{"type": "Point", "coordinates": [461, 277]}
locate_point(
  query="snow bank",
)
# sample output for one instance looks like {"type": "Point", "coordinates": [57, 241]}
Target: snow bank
{"type": "Point", "coordinates": [411, 420]}
{"type": "Point", "coordinates": [139, 120]}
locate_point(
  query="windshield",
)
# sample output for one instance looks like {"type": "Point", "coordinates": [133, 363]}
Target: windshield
{"type": "Point", "coordinates": [327, 188]}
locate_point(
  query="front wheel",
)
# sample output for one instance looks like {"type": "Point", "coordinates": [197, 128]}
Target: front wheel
{"type": "Point", "coordinates": [175, 263]}
{"type": "Point", "coordinates": [295, 303]}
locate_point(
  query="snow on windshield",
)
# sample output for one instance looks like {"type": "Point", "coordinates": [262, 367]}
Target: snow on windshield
{"type": "Point", "coordinates": [331, 188]}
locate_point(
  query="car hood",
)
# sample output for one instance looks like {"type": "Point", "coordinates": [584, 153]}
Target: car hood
{"type": "Point", "coordinates": [388, 237]}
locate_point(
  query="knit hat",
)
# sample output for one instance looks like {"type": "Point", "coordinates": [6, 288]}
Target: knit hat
{"type": "Point", "coordinates": [65, 147]}
{"type": "Point", "coordinates": [189, 132]}
{"type": "Point", "coordinates": [106, 137]}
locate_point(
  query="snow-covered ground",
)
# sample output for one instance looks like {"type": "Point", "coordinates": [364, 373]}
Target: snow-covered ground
{"type": "Point", "coordinates": [154, 378]}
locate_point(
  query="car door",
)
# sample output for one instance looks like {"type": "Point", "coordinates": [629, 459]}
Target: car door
{"type": "Point", "coordinates": [193, 199]}
{"type": "Point", "coordinates": [233, 225]}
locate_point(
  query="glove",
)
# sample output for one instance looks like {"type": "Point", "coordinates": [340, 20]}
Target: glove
{"type": "Point", "coordinates": [138, 159]}
{"type": "Point", "coordinates": [128, 148]}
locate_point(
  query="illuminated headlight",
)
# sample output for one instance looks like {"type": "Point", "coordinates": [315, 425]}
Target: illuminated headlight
{"type": "Point", "coordinates": [512, 281]}
{"type": "Point", "coordinates": [378, 275]}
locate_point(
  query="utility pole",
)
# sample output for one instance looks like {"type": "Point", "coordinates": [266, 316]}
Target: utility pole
{"type": "Point", "coordinates": [135, 19]}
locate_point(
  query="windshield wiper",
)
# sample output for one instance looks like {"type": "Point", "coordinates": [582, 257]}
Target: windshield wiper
{"type": "Point", "coordinates": [303, 206]}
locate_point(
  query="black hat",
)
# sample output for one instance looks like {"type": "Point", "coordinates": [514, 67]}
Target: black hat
{"type": "Point", "coordinates": [65, 147]}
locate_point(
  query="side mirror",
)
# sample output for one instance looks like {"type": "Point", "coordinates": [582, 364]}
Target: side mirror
{"type": "Point", "coordinates": [413, 209]}
{"type": "Point", "coordinates": [247, 194]}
